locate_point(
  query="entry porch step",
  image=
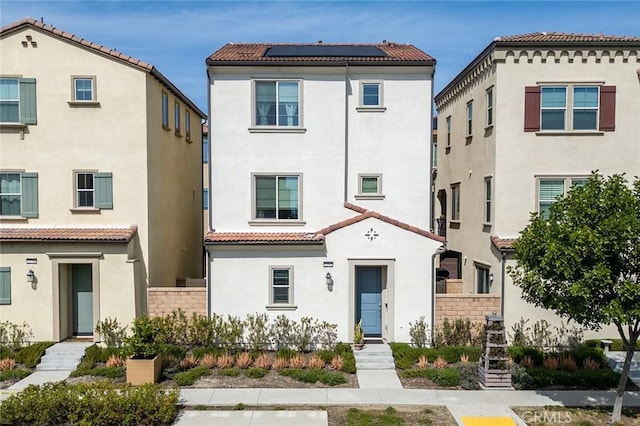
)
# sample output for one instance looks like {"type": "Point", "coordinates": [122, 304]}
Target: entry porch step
{"type": "Point", "coordinates": [63, 356]}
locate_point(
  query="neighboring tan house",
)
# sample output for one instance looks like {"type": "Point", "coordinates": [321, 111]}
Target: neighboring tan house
{"type": "Point", "coordinates": [319, 187]}
{"type": "Point", "coordinates": [101, 182]}
{"type": "Point", "coordinates": [528, 118]}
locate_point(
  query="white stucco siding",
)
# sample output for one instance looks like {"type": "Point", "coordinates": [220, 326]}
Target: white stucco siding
{"type": "Point", "coordinates": [524, 155]}
{"type": "Point", "coordinates": [240, 277]}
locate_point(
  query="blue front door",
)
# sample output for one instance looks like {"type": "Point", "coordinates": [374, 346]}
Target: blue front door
{"type": "Point", "coordinates": [369, 299]}
{"type": "Point", "coordinates": [82, 299]}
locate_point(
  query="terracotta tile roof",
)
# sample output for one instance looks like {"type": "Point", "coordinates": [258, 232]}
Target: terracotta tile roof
{"type": "Point", "coordinates": [213, 237]}
{"type": "Point", "coordinates": [557, 37]}
{"type": "Point", "coordinates": [502, 243]}
{"type": "Point", "coordinates": [107, 235]}
{"type": "Point", "coordinates": [255, 53]}
{"type": "Point", "coordinates": [98, 48]}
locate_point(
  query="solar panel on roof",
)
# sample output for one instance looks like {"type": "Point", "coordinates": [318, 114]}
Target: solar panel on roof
{"type": "Point", "coordinates": [324, 51]}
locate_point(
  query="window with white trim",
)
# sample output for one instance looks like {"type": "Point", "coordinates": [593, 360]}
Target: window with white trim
{"type": "Point", "coordinates": [93, 190]}
{"type": "Point", "coordinates": [569, 107]}
{"type": "Point", "coordinates": [187, 124]}
{"type": "Point", "coordinates": [469, 118]}
{"type": "Point", "coordinates": [369, 186]}
{"type": "Point", "coordinates": [448, 131]}
{"type": "Point", "coordinates": [370, 94]}
{"type": "Point", "coordinates": [490, 106]}
{"type": "Point", "coordinates": [176, 117]}
{"type": "Point", "coordinates": [18, 194]}
{"type": "Point", "coordinates": [487, 199]}
{"type": "Point", "coordinates": [455, 202]}
{"type": "Point", "coordinates": [483, 279]}
{"type": "Point", "coordinates": [18, 100]}
{"type": "Point", "coordinates": [276, 197]}
{"type": "Point", "coordinates": [281, 285]}
{"type": "Point", "coordinates": [277, 103]}
{"type": "Point", "coordinates": [552, 188]}
{"type": "Point", "coordinates": [84, 89]}
{"type": "Point", "coordinates": [165, 110]}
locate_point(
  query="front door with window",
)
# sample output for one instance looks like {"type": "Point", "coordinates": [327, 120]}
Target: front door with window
{"type": "Point", "coordinates": [369, 299]}
{"type": "Point", "coordinates": [82, 299]}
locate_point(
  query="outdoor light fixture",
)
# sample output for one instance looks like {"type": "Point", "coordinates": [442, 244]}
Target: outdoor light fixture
{"type": "Point", "coordinates": [329, 281]}
{"type": "Point", "coordinates": [491, 278]}
{"type": "Point", "coordinates": [30, 276]}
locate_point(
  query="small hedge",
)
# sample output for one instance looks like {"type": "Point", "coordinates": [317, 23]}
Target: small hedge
{"type": "Point", "coordinates": [255, 373]}
{"type": "Point", "coordinates": [91, 403]}
{"type": "Point", "coordinates": [602, 379]}
{"type": "Point", "coordinates": [109, 372]}
{"type": "Point", "coordinates": [579, 354]}
{"type": "Point", "coordinates": [30, 356]}
{"type": "Point", "coordinates": [447, 377]}
{"type": "Point", "coordinates": [313, 376]}
{"type": "Point", "coordinates": [407, 356]}
{"type": "Point", "coordinates": [16, 373]}
{"type": "Point", "coordinates": [189, 377]}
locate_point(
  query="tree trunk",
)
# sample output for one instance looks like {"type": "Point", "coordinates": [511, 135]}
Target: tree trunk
{"type": "Point", "coordinates": [617, 405]}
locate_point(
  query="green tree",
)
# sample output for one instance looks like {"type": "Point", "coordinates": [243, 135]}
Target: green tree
{"type": "Point", "coordinates": [583, 261]}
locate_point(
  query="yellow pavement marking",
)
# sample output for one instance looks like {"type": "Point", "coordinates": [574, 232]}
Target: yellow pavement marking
{"type": "Point", "coordinates": [488, 421]}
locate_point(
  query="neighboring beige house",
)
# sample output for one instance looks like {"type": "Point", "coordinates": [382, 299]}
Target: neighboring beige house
{"type": "Point", "coordinates": [101, 182]}
{"type": "Point", "coordinates": [531, 116]}
{"type": "Point", "coordinates": [320, 193]}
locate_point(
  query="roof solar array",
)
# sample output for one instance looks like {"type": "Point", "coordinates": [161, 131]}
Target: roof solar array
{"type": "Point", "coordinates": [324, 51]}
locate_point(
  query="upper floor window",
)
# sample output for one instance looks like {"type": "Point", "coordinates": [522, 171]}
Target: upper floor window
{"type": "Point", "coordinates": [490, 106]}
{"type": "Point", "coordinates": [371, 94]}
{"type": "Point", "coordinates": [469, 118]}
{"type": "Point", "coordinates": [176, 117]}
{"type": "Point", "coordinates": [370, 186]}
{"type": "Point", "coordinates": [552, 188]}
{"type": "Point", "coordinates": [18, 100]}
{"type": "Point", "coordinates": [205, 198]}
{"type": "Point", "coordinates": [205, 149]}
{"type": "Point", "coordinates": [165, 110]}
{"type": "Point", "coordinates": [487, 199]}
{"type": "Point", "coordinates": [84, 89]}
{"type": "Point", "coordinates": [277, 197]}
{"type": "Point", "coordinates": [570, 107]}
{"type": "Point", "coordinates": [93, 190]}
{"type": "Point", "coordinates": [448, 131]}
{"type": "Point", "coordinates": [187, 124]}
{"type": "Point", "coordinates": [18, 194]}
{"type": "Point", "coordinates": [277, 103]}
{"type": "Point", "coordinates": [455, 202]}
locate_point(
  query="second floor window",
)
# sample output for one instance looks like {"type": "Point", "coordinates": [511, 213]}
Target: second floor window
{"type": "Point", "coordinates": [370, 94]}
{"type": "Point", "coordinates": [490, 107]}
{"type": "Point", "coordinates": [469, 118]}
{"type": "Point", "coordinates": [18, 100]}
{"type": "Point", "coordinates": [19, 194]}
{"type": "Point", "coordinates": [449, 131]}
{"type": "Point", "coordinates": [276, 197]}
{"type": "Point", "coordinates": [83, 89]}
{"type": "Point", "coordinates": [187, 124]}
{"type": "Point", "coordinates": [84, 188]}
{"type": "Point", "coordinates": [165, 110]}
{"type": "Point", "coordinates": [93, 190]}
{"type": "Point", "coordinates": [277, 103]}
{"type": "Point", "coordinates": [176, 118]}
{"type": "Point", "coordinates": [487, 200]}
{"type": "Point", "coordinates": [455, 202]}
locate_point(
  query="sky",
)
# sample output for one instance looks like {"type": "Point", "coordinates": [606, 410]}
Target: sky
{"type": "Point", "coordinates": [177, 36]}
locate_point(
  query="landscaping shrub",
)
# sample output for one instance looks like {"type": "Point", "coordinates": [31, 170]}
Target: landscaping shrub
{"type": "Point", "coordinates": [326, 355]}
{"type": "Point", "coordinates": [14, 336]}
{"type": "Point", "coordinates": [446, 377]}
{"type": "Point", "coordinates": [172, 350]}
{"type": "Point", "coordinates": [255, 373]}
{"type": "Point", "coordinates": [112, 333]}
{"type": "Point", "coordinates": [420, 333]}
{"type": "Point", "coordinates": [348, 362]}
{"type": "Point", "coordinates": [583, 352]}
{"type": "Point", "coordinates": [30, 356]}
{"type": "Point", "coordinates": [518, 353]}
{"type": "Point", "coordinates": [313, 376]}
{"type": "Point", "coordinates": [229, 372]}
{"type": "Point", "coordinates": [460, 332]}
{"type": "Point", "coordinates": [109, 372]}
{"type": "Point", "coordinates": [602, 379]}
{"type": "Point", "coordinates": [16, 373]}
{"type": "Point", "coordinates": [286, 353]}
{"type": "Point", "coordinates": [332, 379]}
{"type": "Point", "coordinates": [200, 351]}
{"type": "Point", "coordinates": [257, 332]}
{"type": "Point", "coordinates": [342, 348]}
{"type": "Point", "coordinates": [94, 404]}
{"type": "Point", "coordinates": [189, 377]}
{"type": "Point", "coordinates": [468, 375]}
{"type": "Point", "coordinates": [520, 379]}
{"type": "Point", "coordinates": [95, 354]}
{"type": "Point", "coordinates": [406, 356]}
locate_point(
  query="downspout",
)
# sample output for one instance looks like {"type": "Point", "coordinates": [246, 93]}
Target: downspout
{"type": "Point", "coordinates": [432, 184]}
{"type": "Point", "coordinates": [346, 130]}
{"type": "Point", "coordinates": [504, 267]}
{"type": "Point", "coordinates": [207, 257]}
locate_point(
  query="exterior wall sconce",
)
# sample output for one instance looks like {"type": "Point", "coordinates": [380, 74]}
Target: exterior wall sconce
{"type": "Point", "coordinates": [329, 281]}
{"type": "Point", "coordinates": [31, 277]}
{"type": "Point", "coordinates": [491, 278]}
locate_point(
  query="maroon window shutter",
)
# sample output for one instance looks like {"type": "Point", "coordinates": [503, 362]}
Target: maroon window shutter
{"type": "Point", "coordinates": [607, 108]}
{"type": "Point", "coordinates": [532, 108]}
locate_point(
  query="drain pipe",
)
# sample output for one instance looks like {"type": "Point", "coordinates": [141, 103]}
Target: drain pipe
{"type": "Point", "coordinates": [504, 267]}
{"type": "Point", "coordinates": [346, 131]}
{"type": "Point", "coordinates": [438, 252]}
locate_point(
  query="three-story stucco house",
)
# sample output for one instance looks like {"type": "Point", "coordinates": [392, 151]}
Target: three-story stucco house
{"type": "Point", "coordinates": [319, 184]}
{"type": "Point", "coordinates": [100, 182]}
{"type": "Point", "coordinates": [531, 116]}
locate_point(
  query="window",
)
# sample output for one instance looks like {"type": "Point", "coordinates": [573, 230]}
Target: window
{"type": "Point", "coordinates": [187, 124]}
{"type": "Point", "coordinates": [487, 199]}
{"type": "Point", "coordinates": [205, 149]}
{"type": "Point", "coordinates": [176, 117]}
{"type": "Point", "coordinates": [165, 110]}
{"type": "Point", "coordinates": [18, 194]}
{"type": "Point", "coordinates": [469, 118]}
{"type": "Point", "coordinates": [549, 189]}
{"type": "Point", "coordinates": [281, 285]}
{"type": "Point", "coordinates": [483, 279]}
{"type": "Point", "coordinates": [84, 89]}
{"type": "Point", "coordinates": [205, 199]}
{"type": "Point", "coordinates": [570, 107]}
{"type": "Point", "coordinates": [5, 285]}
{"type": "Point", "coordinates": [371, 94]}
{"type": "Point", "coordinates": [448, 131]}
{"type": "Point", "coordinates": [277, 103]}
{"type": "Point", "coordinates": [455, 201]}
{"type": "Point", "coordinates": [93, 190]}
{"type": "Point", "coordinates": [370, 186]}
{"type": "Point", "coordinates": [18, 100]}
{"type": "Point", "coordinates": [490, 107]}
{"type": "Point", "coordinates": [276, 197]}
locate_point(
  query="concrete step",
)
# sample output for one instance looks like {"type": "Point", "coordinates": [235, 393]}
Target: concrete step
{"type": "Point", "coordinates": [56, 367]}
{"type": "Point", "coordinates": [63, 356]}
{"type": "Point", "coordinates": [376, 366]}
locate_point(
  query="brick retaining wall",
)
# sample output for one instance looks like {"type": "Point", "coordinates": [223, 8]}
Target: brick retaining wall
{"type": "Point", "coordinates": [164, 300]}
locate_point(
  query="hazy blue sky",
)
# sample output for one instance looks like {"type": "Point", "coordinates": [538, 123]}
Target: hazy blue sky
{"type": "Point", "coordinates": [176, 36]}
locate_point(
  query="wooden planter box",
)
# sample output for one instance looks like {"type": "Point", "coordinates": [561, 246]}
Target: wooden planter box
{"type": "Point", "coordinates": [494, 378]}
{"type": "Point", "coordinates": [141, 371]}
